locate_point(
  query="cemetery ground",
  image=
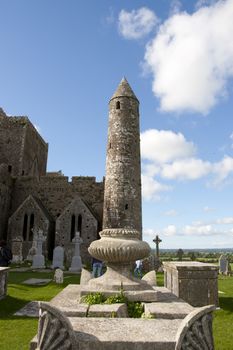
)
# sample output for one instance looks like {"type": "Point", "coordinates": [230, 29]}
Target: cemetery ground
{"type": "Point", "coordinates": [17, 331]}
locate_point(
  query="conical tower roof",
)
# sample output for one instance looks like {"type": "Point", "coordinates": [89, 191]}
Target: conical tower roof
{"type": "Point", "coordinates": [124, 89]}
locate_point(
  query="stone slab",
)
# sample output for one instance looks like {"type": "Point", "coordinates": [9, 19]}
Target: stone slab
{"type": "Point", "coordinates": [194, 282]}
{"type": "Point", "coordinates": [30, 310]}
{"type": "Point", "coordinates": [37, 281]}
{"type": "Point", "coordinates": [123, 334]}
{"type": "Point", "coordinates": [166, 310]}
{"type": "Point", "coordinates": [137, 295]}
{"type": "Point", "coordinates": [3, 281]}
{"type": "Point", "coordinates": [108, 310]}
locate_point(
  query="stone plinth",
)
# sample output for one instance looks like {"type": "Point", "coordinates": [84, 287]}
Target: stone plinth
{"type": "Point", "coordinates": [194, 282]}
{"type": "Point", "coordinates": [3, 281]}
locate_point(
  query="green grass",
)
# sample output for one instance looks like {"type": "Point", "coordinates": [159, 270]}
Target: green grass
{"type": "Point", "coordinates": [223, 318]}
{"type": "Point", "coordinates": [16, 332]}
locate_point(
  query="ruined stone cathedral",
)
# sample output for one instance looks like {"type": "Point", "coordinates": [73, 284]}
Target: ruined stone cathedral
{"type": "Point", "coordinates": [32, 199]}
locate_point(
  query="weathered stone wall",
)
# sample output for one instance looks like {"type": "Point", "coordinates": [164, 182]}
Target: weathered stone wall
{"type": "Point", "coordinates": [21, 147]}
{"type": "Point", "coordinates": [18, 228]}
{"type": "Point", "coordinates": [77, 217]}
{"type": "Point", "coordinates": [5, 199]}
{"type": "Point", "coordinates": [12, 133]}
{"type": "Point", "coordinates": [35, 152]}
{"type": "Point", "coordinates": [56, 194]}
{"type": "Point", "coordinates": [23, 160]}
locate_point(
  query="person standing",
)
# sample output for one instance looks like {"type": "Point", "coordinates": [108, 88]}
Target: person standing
{"type": "Point", "coordinates": [138, 269]}
{"type": "Point", "coordinates": [97, 266]}
{"type": "Point", "coordinates": [5, 254]}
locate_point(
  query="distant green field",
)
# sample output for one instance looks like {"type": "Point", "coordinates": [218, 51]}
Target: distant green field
{"type": "Point", "coordinates": [16, 332]}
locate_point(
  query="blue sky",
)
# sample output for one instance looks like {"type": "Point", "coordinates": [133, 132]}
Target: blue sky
{"type": "Point", "coordinates": [61, 62]}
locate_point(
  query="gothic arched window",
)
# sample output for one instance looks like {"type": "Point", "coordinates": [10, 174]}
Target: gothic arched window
{"type": "Point", "coordinates": [25, 225]}
{"type": "Point", "coordinates": [30, 238]}
{"type": "Point", "coordinates": [72, 228]}
{"type": "Point", "coordinates": [79, 228]}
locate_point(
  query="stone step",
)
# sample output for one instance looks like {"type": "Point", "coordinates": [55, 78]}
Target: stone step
{"type": "Point", "coordinates": [172, 310]}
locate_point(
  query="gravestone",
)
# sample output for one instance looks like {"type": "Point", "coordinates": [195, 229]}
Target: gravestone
{"type": "Point", "coordinates": [76, 264]}
{"type": "Point", "coordinates": [33, 250]}
{"type": "Point", "coordinates": [58, 258]}
{"type": "Point", "coordinates": [17, 248]}
{"type": "Point", "coordinates": [38, 261]}
{"type": "Point", "coordinates": [58, 276]}
{"type": "Point", "coordinates": [3, 281]}
{"type": "Point", "coordinates": [223, 265]}
{"type": "Point", "coordinates": [157, 262]}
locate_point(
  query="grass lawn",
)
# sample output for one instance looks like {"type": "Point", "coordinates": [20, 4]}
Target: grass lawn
{"type": "Point", "coordinates": [16, 332]}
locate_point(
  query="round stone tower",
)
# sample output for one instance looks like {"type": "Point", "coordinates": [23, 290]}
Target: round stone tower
{"type": "Point", "coordinates": [120, 244]}
{"type": "Point", "coordinates": [122, 194]}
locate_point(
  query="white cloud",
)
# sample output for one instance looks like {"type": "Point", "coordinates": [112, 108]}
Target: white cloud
{"type": "Point", "coordinates": [151, 188]}
{"type": "Point", "coordinates": [175, 7]}
{"type": "Point", "coordinates": [170, 156]}
{"type": "Point", "coordinates": [165, 145]}
{"type": "Point", "coordinates": [222, 170]}
{"type": "Point", "coordinates": [187, 169]}
{"type": "Point", "coordinates": [191, 58]}
{"type": "Point", "coordinates": [137, 23]}
{"type": "Point", "coordinates": [205, 230]}
{"type": "Point", "coordinates": [170, 230]}
{"type": "Point", "coordinates": [225, 221]}
{"type": "Point", "coordinates": [171, 212]}
{"type": "Point", "coordinates": [201, 3]}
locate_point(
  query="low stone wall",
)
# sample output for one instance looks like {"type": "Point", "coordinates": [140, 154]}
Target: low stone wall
{"type": "Point", "coordinates": [3, 281]}
{"type": "Point", "coordinates": [194, 282]}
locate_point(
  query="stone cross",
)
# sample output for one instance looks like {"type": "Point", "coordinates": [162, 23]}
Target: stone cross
{"type": "Point", "coordinates": [33, 250]}
{"type": "Point", "coordinates": [40, 238]}
{"type": "Point", "coordinates": [157, 240]}
{"type": "Point", "coordinates": [38, 261]}
{"type": "Point", "coordinates": [77, 240]}
{"type": "Point", "coordinates": [76, 264]}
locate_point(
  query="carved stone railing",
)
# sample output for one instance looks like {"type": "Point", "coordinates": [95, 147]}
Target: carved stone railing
{"type": "Point", "coordinates": [56, 332]}
{"type": "Point", "coordinates": [195, 331]}
{"type": "Point", "coordinates": [54, 329]}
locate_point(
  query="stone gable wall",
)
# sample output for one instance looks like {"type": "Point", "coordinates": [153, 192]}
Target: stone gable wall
{"type": "Point", "coordinates": [20, 145]}
{"type": "Point", "coordinates": [5, 199]}
{"type": "Point", "coordinates": [35, 152]}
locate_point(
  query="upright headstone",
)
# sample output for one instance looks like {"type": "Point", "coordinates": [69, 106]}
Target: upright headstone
{"type": "Point", "coordinates": [58, 258]}
{"type": "Point", "coordinates": [17, 250]}
{"type": "Point", "coordinates": [76, 264]}
{"type": "Point", "coordinates": [58, 276]}
{"type": "Point", "coordinates": [38, 261]}
{"type": "Point", "coordinates": [223, 265]}
{"type": "Point", "coordinates": [33, 250]}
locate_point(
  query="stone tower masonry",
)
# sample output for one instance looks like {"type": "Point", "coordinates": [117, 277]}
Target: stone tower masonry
{"type": "Point", "coordinates": [122, 199]}
{"type": "Point", "coordinates": [120, 244]}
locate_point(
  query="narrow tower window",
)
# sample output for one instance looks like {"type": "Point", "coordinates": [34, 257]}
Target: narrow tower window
{"type": "Point", "coordinates": [118, 105]}
{"type": "Point", "coordinates": [126, 206]}
{"type": "Point", "coordinates": [80, 224]}
{"type": "Point", "coordinates": [72, 230]}
{"type": "Point", "coordinates": [25, 224]}
{"type": "Point", "coordinates": [31, 227]}
{"type": "Point", "coordinates": [9, 168]}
